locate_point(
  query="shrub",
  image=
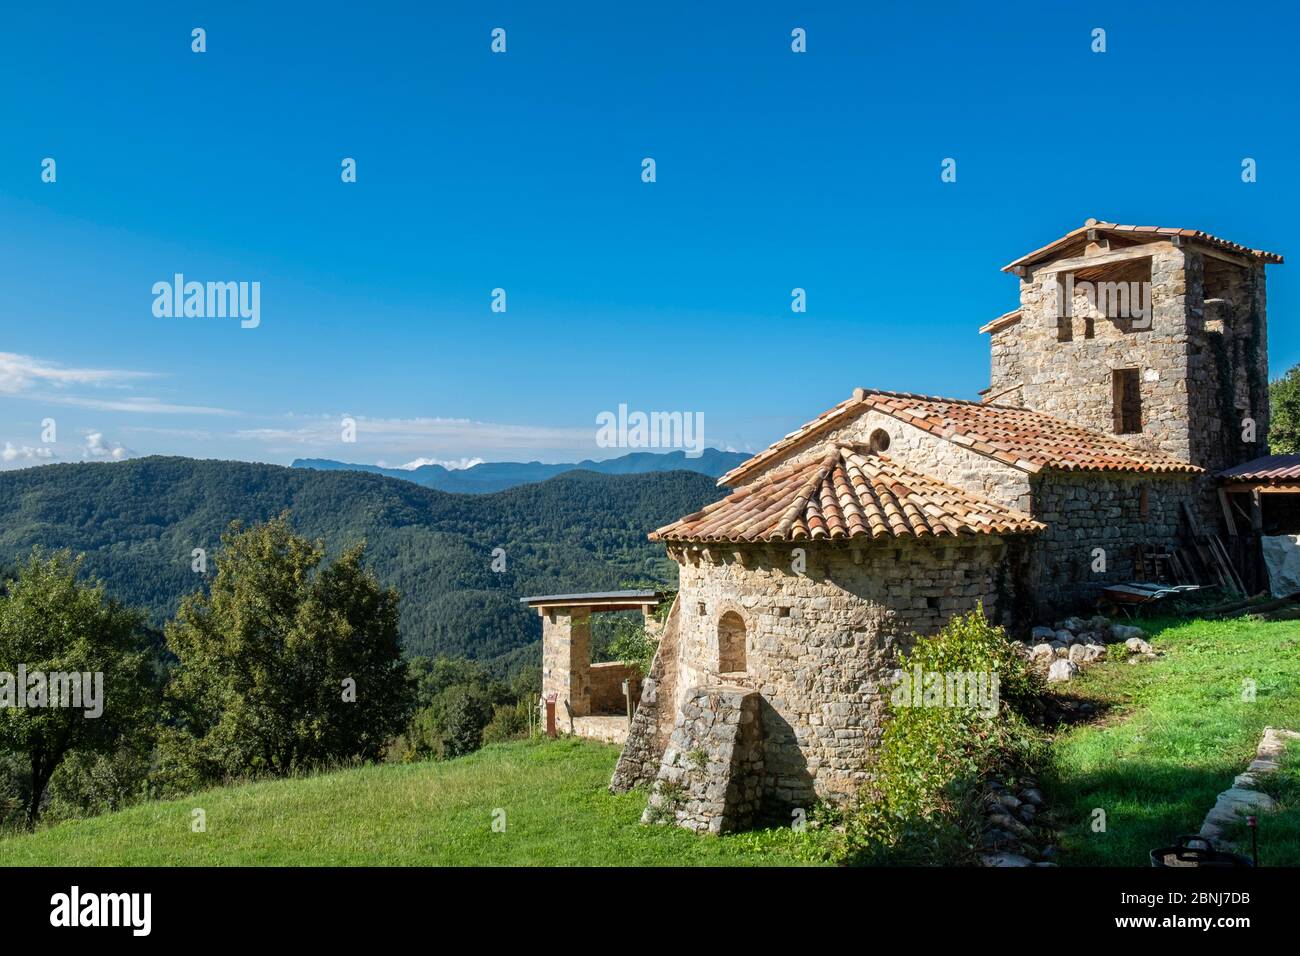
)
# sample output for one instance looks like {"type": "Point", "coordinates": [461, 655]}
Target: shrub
{"type": "Point", "coordinates": [922, 804]}
{"type": "Point", "coordinates": [509, 722]}
{"type": "Point", "coordinates": [632, 645]}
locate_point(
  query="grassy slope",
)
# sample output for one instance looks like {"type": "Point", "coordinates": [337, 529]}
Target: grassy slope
{"type": "Point", "coordinates": [1176, 734]}
{"type": "Point", "coordinates": [557, 812]}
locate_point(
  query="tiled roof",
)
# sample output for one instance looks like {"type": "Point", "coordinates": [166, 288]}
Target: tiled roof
{"type": "Point", "coordinates": [847, 494]}
{"type": "Point", "coordinates": [1266, 470]}
{"type": "Point", "coordinates": [1028, 440]}
{"type": "Point", "coordinates": [1139, 233]}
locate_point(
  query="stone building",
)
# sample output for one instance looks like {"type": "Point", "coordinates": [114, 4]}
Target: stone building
{"type": "Point", "coordinates": [1134, 369]}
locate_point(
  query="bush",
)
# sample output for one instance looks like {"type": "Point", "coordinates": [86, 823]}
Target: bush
{"type": "Point", "coordinates": [632, 645]}
{"type": "Point", "coordinates": [922, 807]}
{"type": "Point", "coordinates": [509, 722]}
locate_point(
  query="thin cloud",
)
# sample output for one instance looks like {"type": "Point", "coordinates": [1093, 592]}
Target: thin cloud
{"type": "Point", "coordinates": [20, 373]}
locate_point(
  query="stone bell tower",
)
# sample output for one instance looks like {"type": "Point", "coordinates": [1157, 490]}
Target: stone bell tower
{"type": "Point", "coordinates": [1157, 335]}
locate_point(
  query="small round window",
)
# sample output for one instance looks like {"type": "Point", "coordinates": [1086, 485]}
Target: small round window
{"type": "Point", "coordinates": [879, 440]}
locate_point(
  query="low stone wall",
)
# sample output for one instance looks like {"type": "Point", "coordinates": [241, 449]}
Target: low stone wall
{"type": "Point", "coordinates": [711, 775]}
{"type": "Point", "coordinates": [607, 687]}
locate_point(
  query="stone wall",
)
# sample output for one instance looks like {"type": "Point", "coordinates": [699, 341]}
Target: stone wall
{"type": "Point", "coordinates": [1066, 366]}
{"type": "Point", "coordinates": [566, 663]}
{"type": "Point", "coordinates": [1088, 510]}
{"type": "Point", "coordinates": [710, 779]}
{"type": "Point", "coordinates": [607, 687]}
{"type": "Point", "coordinates": [821, 645]}
{"type": "Point", "coordinates": [1005, 372]}
{"type": "Point", "coordinates": [1228, 367]}
{"type": "Point", "coordinates": [921, 451]}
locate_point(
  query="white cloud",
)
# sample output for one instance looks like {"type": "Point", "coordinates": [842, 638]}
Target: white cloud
{"type": "Point", "coordinates": [10, 453]}
{"type": "Point", "coordinates": [147, 405]}
{"type": "Point", "coordinates": [97, 447]}
{"type": "Point", "coordinates": [23, 376]}
{"type": "Point", "coordinates": [19, 373]}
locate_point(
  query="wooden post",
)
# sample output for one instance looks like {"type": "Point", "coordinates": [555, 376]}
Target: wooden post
{"type": "Point", "coordinates": [627, 696]}
{"type": "Point", "coordinates": [550, 716]}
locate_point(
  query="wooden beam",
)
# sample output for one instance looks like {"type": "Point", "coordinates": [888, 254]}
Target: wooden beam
{"type": "Point", "coordinates": [1227, 513]}
{"type": "Point", "coordinates": [1256, 512]}
{"type": "Point", "coordinates": [1250, 487]}
{"type": "Point", "coordinates": [1127, 254]}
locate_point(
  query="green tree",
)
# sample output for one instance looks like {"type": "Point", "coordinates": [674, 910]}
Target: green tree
{"type": "Point", "coordinates": [288, 661]}
{"type": "Point", "coordinates": [466, 710]}
{"type": "Point", "coordinates": [1284, 413]}
{"type": "Point", "coordinates": [51, 623]}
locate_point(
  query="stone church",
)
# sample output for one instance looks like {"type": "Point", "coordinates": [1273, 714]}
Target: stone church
{"type": "Point", "coordinates": [1134, 370]}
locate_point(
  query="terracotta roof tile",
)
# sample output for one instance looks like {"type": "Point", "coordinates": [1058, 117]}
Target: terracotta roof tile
{"type": "Point", "coordinates": [845, 495]}
{"type": "Point", "coordinates": [1019, 437]}
{"type": "Point", "coordinates": [1046, 251]}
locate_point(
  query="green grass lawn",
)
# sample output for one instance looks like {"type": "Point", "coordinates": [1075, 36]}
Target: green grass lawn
{"type": "Point", "coordinates": [1176, 733]}
{"type": "Point", "coordinates": [1172, 735]}
{"type": "Point", "coordinates": [557, 812]}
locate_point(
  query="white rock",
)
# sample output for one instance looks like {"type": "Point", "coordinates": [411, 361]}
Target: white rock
{"type": "Point", "coordinates": [1136, 645]}
{"type": "Point", "coordinates": [1062, 671]}
{"type": "Point", "coordinates": [1124, 632]}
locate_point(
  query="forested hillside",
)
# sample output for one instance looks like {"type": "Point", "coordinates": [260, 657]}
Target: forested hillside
{"type": "Point", "coordinates": [139, 521]}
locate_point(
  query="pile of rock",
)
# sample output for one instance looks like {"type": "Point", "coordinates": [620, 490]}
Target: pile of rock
{"type": "Point", "coordinates": [1061, 651]}
{"type": "Point", "coordinates": [1013, 831]}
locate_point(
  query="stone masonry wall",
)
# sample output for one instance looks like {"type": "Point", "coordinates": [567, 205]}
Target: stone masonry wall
{"type": "Point", "coordinates": [711, 776]}
{"type": "Point", "coordinates": [821, 645]}
{"type": "Point", "coordinates": [607, 687]}
{"type": "Point", "coordinates": [1228, 368]}
{"type": "Point", "coordinates": [1087, 510]}
{"type": "Point", "coordinates": [951, 463]}
{"type": "Point", "coordinates": [1072, 379]}
{"type": "Point", "coordinates": [566, 663]}
{"type": "Point", "coordinates": [1005, 350]}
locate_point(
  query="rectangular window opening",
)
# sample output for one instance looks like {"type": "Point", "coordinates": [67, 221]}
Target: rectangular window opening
{"type": "Point", "coordinates": [1126, 400]}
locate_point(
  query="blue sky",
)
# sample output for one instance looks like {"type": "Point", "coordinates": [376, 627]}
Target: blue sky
{"type": "Point", "coordinates": [523, 171]}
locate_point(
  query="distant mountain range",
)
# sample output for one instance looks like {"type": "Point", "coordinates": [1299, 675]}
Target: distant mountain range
{"type": "Point", "coordinates": [491, 476]}
{"type": "Point", "coordinates": [138, 522]}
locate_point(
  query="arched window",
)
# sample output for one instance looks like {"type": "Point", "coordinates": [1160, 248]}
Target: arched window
{"type": "Point", "coordinates": [878, 440]}
{"type": "Point", "coordinates": [731, 643]}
